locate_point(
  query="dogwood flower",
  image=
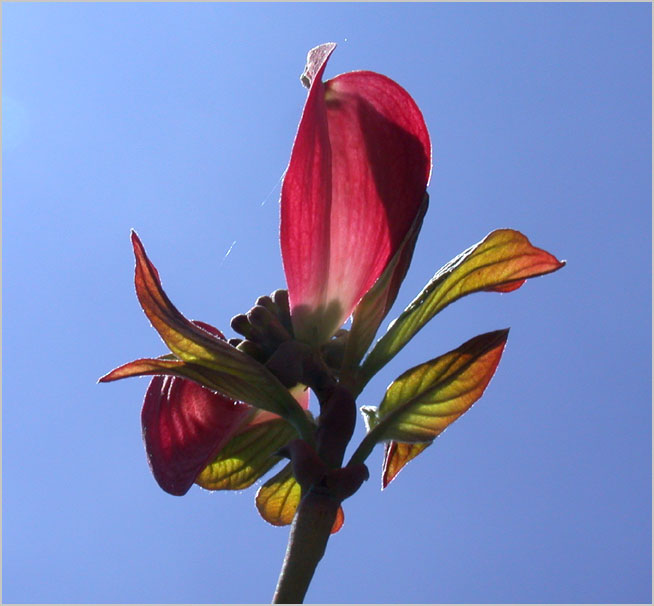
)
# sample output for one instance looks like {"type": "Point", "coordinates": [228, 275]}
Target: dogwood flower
{"type": "Point", "coordinates": [354, 186]}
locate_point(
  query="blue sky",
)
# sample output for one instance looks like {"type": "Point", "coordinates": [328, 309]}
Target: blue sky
{"type": "Point", "coordinates": [177, 120]}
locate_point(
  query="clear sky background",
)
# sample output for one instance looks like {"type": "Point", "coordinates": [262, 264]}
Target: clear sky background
{"type": "Point", "coordinates": [177, 120]}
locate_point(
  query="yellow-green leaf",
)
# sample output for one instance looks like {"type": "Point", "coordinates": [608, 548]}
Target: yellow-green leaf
{"type": "Point", "coordinates": [423, 401]}
{"type": "Point", "coordinates": [278, 499]}
{"type": "Point", "coordinates": [501, 262]}
{"type": "Point", "coordinates": [247, 456]}
{"type": "Point", "coordinates": [230, 385]}
{"type": "Point", "coordinates": [233, 372]}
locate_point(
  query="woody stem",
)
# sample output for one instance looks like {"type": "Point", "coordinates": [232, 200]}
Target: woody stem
{"type": "Point", "coordinates": [306, 546]}
{"type": "Point", "coordinates": [324, 484]}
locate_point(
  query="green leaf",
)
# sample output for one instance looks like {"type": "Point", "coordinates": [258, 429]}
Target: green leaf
{"type": "Point", "coordinates": [501, 262]}
{"type": "Point", "coordinates": [247, 456]}
{"type": "Point", "coordinates": [230, 385]}
{"type": "Point", "coordinates": [372, 309]}
{"type": "Point", "coordinates": [278, 499]}
{"type": "Point", "coordinates": [210, 361]}
{"type": "Point", "coordinates": [424, 400]}
{"type": "Point", "coordinates": [396, 456]}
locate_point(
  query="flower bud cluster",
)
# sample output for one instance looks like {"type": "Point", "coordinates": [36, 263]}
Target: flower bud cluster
{"type": "Point", "coordinates": [268, 335]}
{"type": "Point", "coordinates": [265, 327]}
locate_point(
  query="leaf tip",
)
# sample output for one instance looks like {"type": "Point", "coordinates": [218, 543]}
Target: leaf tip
{"type": "Point", "coordinates": [396, 456]}
{"type": "Point", "coordinates": [493, 339]}
{"type": "Point", "coordinates": [137, 245]}
{"type": "Point", "coordinates": [106, 378]}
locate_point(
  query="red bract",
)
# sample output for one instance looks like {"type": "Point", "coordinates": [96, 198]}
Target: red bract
{"type": "Point", "coordinates": [184, 427]}
{"type": "Point", "coordinates": [355, 183]}
{"type": "Point", "coordinates": [184, 424]}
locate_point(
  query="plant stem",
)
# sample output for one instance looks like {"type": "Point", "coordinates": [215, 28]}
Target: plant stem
{"type": "Point", "coordinates": [372, 438]}
{"type": "Point", "coordinates": [306, 545]}
{"type": "Point", "coordinates": [364, 449]}
{"type": "Point", "coordinates": [305, 428]}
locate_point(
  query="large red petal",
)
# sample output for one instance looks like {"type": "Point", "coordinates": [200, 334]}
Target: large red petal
{"type": "Point", "coordinates": [184, 427]}
{"type": "Point", "coordinates": [306, 199]}
{"type": "Point", "coordinates": [358, 172]}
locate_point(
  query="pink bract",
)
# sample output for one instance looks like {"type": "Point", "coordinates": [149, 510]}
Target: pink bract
{"type": "Point", "coordinates": [359, 168]}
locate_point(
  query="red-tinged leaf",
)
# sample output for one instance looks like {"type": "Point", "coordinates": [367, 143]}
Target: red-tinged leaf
{"type": "Point", "coordinates": [339, 521]}
{"type": "Point", "coordinates": [374, 306]}
{"type": "Point", "coordinates": [501, 262]}
{"type": "Point", "coordinates": [396, 456]}
{"type": "Point", "coordinates": [229, 370]}
{"type": "Point", "coordinates": [355, 182]}
{"type": "Point", "coordinates": [231, 386]}
{"type": "Point", "coordinates": [278, 499]}
{"type": "Point", "coordinates": [510, 287]}
{"type": "Point", "coordinates": [184, 426]}
{"type": "Point", "coordinates": [147, 367]}
{"type": "Point", "coordinates": [186, 340]}
{"type": "Point", "coordinates": [202, 376]}
{"type": "Point", "coordinates": [422, 402]}
{"type": "Point", "coordinates": [247, 456]}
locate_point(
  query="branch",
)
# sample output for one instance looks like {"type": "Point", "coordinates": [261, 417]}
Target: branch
{"type": "Point", "coordinates": [307, 541]}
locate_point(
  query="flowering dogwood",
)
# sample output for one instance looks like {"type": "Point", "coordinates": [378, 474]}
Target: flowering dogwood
{"type": "Point", "coordinates": [221, 413]}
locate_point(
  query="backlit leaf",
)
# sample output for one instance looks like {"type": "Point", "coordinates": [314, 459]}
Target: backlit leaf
{"type": "Point", "coordinates": [278, 499]}
{"type": "Point", "coordinates": [501, 262]}
{"type": "Point", "coordinates": [247, 456]}
{"type": "Point", "coordinates": [374, 306]}
{"type": "Point", "coordinates": [230, 385]}
{"type": "Point", "coordinates": [232, 372]}
{"type": "Point", "coordinates": [396, 456]}
{"type": "Point", "coordinates": [423, 401]}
